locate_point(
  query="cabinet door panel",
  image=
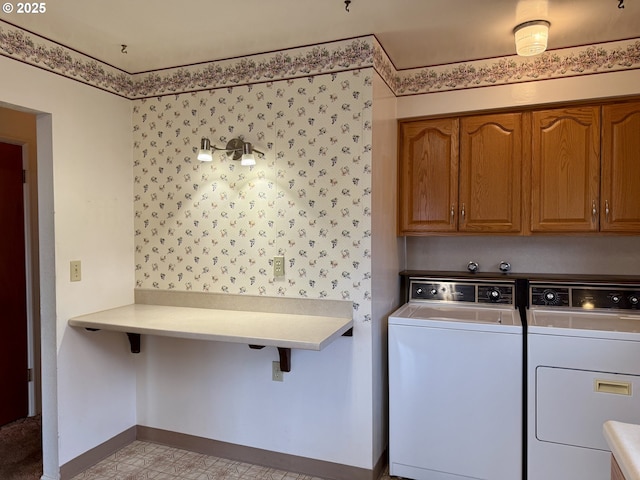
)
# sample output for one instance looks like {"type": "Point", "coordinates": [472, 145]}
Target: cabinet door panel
{"type": "Point", "coordinates": [565, 170]}
{"type": "Point", "coordinates": [428, 175]}
{"type": "Point", "coordinates": [620, 202]}
{"type": "Point", "coordinates": [490, 173]}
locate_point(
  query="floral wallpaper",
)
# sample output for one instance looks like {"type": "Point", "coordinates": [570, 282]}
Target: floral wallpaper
{"type": "Point", "coordinates": [331, 57]}
{"type": "Point", "coordinates": [215, 226]}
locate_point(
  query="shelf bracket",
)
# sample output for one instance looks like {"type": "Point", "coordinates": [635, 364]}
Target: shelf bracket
{"type": "Point", "coordinates": [134, 341]}
{"type": "Point", "coordinates": [348, 333]}
{"type": "Point", "coordinates": [284, 354]}
{"type": "Point", "coordinates": [285, 359]}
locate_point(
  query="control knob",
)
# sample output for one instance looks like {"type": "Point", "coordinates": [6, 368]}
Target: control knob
{"type": "Point", "coordinates": [505, 266]}
{"type": "Point", "coordinates": [494, 295]}
{"type": "Point", "coordinates": [633, 299]}
{"type": "Point", "coordinates": [473, 267]}
{"type": "Point", "coordinates": [615, 298]}
{"type": "Point", "coordinates": [550, 297]}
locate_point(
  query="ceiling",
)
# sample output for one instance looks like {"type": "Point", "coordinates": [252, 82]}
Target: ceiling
{"type": "Point", "coordinates": [414, 33]}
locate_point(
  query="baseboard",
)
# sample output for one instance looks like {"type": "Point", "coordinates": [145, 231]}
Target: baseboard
{"type": "Point", "coordinates": [207, 446]}
{"type": "Point", "coordinates": [257, 456]}
{"type": "Point", "coordinates": [97, 454]}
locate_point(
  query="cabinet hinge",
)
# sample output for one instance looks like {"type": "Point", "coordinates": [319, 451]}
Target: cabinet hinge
{"type": "Point", "coordinates": [30, 375]}
{"type": "Point", "coordinates": [24, 176]}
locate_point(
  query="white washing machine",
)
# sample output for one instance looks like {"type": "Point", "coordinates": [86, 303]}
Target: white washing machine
{"type": "Point", "coordinates": [455, 382]}
{"type": "Point", "coordinates": [583, 369]}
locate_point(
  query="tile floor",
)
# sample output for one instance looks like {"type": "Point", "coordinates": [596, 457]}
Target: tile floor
{"type": "Point", "coordinates": [145, 460]}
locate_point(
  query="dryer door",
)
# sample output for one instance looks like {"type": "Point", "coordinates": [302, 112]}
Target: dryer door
{"type": "Point", "coordinates": [572, 405]}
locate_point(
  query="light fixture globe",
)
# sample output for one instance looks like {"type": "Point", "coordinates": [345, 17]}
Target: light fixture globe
{"type": "Point", "coordinates": [531, 37]}
{"type": "Point", "coordinates": [205, 154]}
{"type": "Point", "coordinates": [248, 160]}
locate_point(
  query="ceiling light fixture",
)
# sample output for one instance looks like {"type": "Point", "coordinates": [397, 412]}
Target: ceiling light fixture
{"type": "Point", "coordinates": [531, 37]}
{"type": "Point", "coordinates": [236, 148]}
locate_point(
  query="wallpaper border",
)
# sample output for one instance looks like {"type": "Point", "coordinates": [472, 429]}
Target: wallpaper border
{"type": "Point", "coordinates": [569, 62]}
{"type": "Point", "coordinates": [342, 55]}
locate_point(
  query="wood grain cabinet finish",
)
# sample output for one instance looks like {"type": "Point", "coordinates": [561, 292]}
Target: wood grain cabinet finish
{"type": "Point", "coordinates": [428, 176]}
{"type": "Point", "coordinates": [570, 170]}
{"type": "Point", "coordinates": [461, 175]}
{"type": "Point", "coordinates": [565, 170]}
{"type": "Point", "coordinates": [620, 185]}
{"type": "Point", "coordinates": [491, 159]}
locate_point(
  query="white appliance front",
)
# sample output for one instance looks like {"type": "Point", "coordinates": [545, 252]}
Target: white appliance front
{"type": "Point", "coordinates": [455, 393]}
{"type": "Point", "coordinates": [583, 369]}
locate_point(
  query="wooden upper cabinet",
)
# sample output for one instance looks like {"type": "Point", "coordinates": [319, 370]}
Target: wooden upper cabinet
{"type": "Point", "coordinates": [565, 170]}
{"type": "Point", "coordinates": [491, 159]}
{"type": "Point", "coordinates": [428, 176]}
{"type": "Point", "coordinates": [620, 190]}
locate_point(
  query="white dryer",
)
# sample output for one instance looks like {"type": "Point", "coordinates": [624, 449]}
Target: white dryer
{"type": "Point", "coordinates": [583, 343]}
{"type": "Point", "coordinates": [455, 382]}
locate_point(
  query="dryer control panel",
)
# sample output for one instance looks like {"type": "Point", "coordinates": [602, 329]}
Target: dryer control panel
{"type": "Point", "coordinates": [585, 296]}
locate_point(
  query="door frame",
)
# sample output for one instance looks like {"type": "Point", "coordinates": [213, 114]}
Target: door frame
{"type": "Point", "coordinates": [34, 131]}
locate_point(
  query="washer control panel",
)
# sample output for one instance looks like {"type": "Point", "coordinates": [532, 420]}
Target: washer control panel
{"type": "Point", "coordinates": [623, 297]}
{"type": "Point", "coordinates": [502, 293]}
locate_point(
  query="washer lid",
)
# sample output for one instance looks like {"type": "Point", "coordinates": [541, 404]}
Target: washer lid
{"type": "Point", "coordinates": [450, 316]}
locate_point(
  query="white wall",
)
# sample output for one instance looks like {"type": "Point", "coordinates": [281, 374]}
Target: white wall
{"type": "Point", "coordinates": [387, 250]}
{"type": "Point", "coordinates": [85, 167]}
{"type": "Point", "coordinates": [615, 255]}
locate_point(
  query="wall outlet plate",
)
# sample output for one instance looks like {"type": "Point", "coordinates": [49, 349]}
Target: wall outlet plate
{"type": "Point", "coordinates": [75, 272]}
{"type": "Point", "coordinates": [276, 373]}
{"type": "Point", "coordinates": [278, 266]}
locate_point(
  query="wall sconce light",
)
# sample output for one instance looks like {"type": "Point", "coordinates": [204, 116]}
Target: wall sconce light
{"type": "Point", "coordinates": [236, 148]}
{"type": "Point", "coordinates": [531, 37]}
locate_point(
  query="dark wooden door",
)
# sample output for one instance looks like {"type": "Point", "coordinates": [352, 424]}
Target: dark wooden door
{"type": "Point", "coordinates": [13, 297]}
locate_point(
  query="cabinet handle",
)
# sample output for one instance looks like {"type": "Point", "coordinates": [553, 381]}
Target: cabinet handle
{"type": "Point", "coordinates": [606, 209]}
{"type": "Point", "coordinates": [594, 210]}
{"type": "Point", "coordinates": [453, 212]}
{"type": "Point", "coordinates": [462, 212]}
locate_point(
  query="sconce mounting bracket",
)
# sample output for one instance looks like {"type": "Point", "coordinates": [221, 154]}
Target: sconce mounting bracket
{"type": "Point", "coordinates": [234, 148]}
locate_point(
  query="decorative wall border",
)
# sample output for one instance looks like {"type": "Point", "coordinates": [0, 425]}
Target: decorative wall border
{"type": "Point", "coordinates": [330, 57]}
{"type": "Point", "coordinates": [568, 62]}
{"type": "Point", "coordinates": [41, 52]}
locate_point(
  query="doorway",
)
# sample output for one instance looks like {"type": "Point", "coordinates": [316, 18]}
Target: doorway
{"type": "Point", "coordinates": [14, 352]}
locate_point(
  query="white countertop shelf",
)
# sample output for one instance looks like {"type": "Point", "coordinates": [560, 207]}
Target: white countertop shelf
{"type": "Point", "coordinates": [624, 441]}
{"type": "Point", "coordinates": [257, 329]}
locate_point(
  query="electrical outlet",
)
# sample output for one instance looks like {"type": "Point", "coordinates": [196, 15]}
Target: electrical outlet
{"type": "Point", "coordinates": [276, 373]}
{"type": "Point", "coordinates": [278, 266]}
{"type": "Point", "coordinates": [75, 271]}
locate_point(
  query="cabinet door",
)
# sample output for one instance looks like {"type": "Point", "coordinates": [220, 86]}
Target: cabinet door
{"type": "Point", "coordinates": [428, 175]}
{"type": "Point", "coordinates": [490, 173]}
{"type": "Point", "coordinates": [565, 170]}
{"type": "Point", "coordinates": [620, 198]}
